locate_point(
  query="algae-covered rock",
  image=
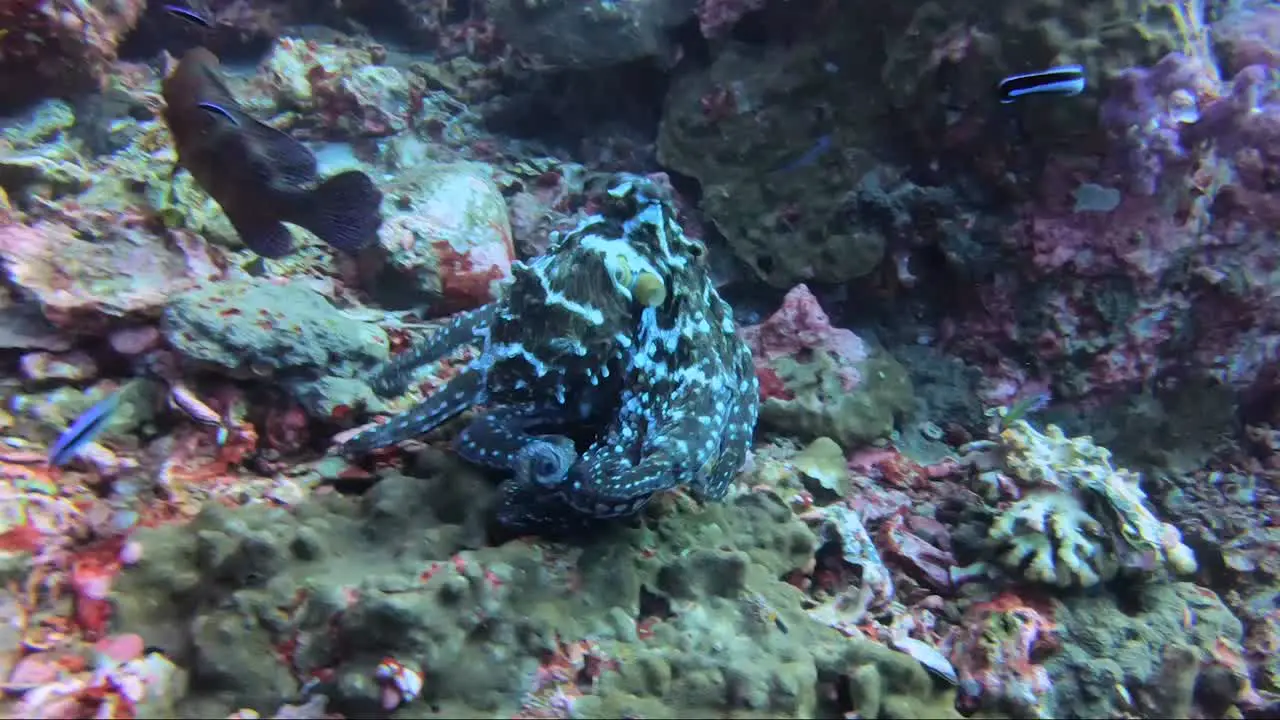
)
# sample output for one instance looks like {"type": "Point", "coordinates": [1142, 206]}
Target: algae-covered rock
{"type": "Point", "coordinates": [776, 173]}
{"type": "Point", "coordinates": [38, 176]}
{"type": "Point", "coordinates": [591, 33]}
{"type": "Point", "coordinates": [87, 282]}
{"type": "Point", "coordinates": [263, 327]}
{"type": "Point", "coordinates": [819, 380]}
{"type": "Point", "coordinates": [1137, 646]}
{"type": "Point", "coordinates": [450, 248]}
{"type": "Point", "coordinates": [822, 405]}
{"type": "Point", "coordinates": [41, 123]}
{"type": "Point", "coordinates": [683, 614]}
{"type": "Point", "coordinates": [823, 468]}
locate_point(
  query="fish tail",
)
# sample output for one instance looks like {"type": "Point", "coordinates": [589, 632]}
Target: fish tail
{"type": "Point", "coordinates": [343, 211]}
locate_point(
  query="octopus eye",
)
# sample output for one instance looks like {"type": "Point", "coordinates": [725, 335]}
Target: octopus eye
{"type": "Point", "coordinates": [622, 272]}
{"type": "Point", "coordinates": [650, 290]}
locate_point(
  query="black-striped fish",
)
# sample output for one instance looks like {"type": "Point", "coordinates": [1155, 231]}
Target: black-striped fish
{"type": "Point", "coordinates": [187, 14]}
{"type": "Point", "coordinates": [1062, 80]}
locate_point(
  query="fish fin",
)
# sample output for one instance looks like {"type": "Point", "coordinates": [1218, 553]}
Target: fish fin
{"type": "Point", "coordinates": [343, 211]}
{"type": "Point", "coordinates": [263, 234]}
{"type": "Point", "coordinates": [293, 166]}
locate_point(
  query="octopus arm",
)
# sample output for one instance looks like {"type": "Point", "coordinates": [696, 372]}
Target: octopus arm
{"type": "Point", "coordinates": [743, 399]}
{"type": "Point", "coordinates": [462, 392]}
{"type": "Point", "coordinates": [465, 329]}
{"type": "Point", "coordinates": [666, 435]}
{"type": "Point", "coordinates": [498, 436]}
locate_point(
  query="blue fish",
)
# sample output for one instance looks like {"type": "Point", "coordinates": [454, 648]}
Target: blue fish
{"type": "Point", "coordinates": [187, 14]}
{"type": "Point", "coordinates": [1063, 80]}
{"type": "Point", "coordinates": [810, 156]}
{"type": "Point", "coordinates": [216, 108]}
{"type": "Point", "coordinates": [88, 426]}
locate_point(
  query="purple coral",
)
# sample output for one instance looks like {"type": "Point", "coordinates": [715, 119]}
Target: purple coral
{"type": "Point", "coordinates": [715, 17]}
{"type": "Point", "coordinates": [1147, 111]}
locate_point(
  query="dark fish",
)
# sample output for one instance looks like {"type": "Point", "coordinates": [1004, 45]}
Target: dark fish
{"type": "Point", "coordinates": [259, 175]}
{"type": "Point", "coordinates": [88, 426]}
{"type": "Point", "coordinates": [188, 14]}
{"type": "Point", "coordinates": [1062, 80]}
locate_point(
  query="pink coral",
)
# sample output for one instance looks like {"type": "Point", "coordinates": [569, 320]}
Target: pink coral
{"type": "Point", "coordinates": [1139, 237]}
{"type": "Point", "coordinates": [925, 562]}
{"type": "Point", "coordinates": [715, 17]}
{"type": "Point", "coordinates": [60, 46]}
{"type": "Point", "coordinates": [1250, 37]}
{"type": "Point", "coordinates": [800, 327]}
{"type": "Point", "coordinates": [999, 652]}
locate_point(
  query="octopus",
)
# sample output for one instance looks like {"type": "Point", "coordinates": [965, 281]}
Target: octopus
{"type": "Point", "coordinates": [618, 330]}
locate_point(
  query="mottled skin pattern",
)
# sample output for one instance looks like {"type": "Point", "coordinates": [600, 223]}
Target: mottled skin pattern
{"type": "Point", "coordinates": [617, 328]}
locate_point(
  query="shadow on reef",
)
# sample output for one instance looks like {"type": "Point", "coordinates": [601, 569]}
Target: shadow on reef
{"type": "Point", "coordinates": [582, 112]}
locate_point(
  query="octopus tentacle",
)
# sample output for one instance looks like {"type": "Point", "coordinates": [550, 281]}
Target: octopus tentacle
{"type": "Point", "coordinates": [739, 426]}
{"type": "Point", "coordinates": [466, 328]}
{"type": "Point", "coordinates": [460, 393]}
{"type": "Point", "coordinates": [498, 436]}
{"type": "Point", "coordinates": [527, 507]}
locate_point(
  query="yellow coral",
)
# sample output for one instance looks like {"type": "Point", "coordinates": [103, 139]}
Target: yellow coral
{"type": "Point", "coordinates": [1082, 499]}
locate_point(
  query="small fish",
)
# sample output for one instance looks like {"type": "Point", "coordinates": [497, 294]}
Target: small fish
{"type": "Point", "coordinates": [181, 398]}
{"type": "Point", "coordinates": [259, 175]}
{"type": "Point", "coordinates": [216, 108]}
{"type": "Point", "coordinates": [188, 14]}
{"type": "Point", "coordinates": [810, 156]}
{"type": "Point", "coordinates": [928, 656]}
{"type": "Point", "coordinates": [1062, 80]}
{"type": "Point", "coordinates": [84, 430]}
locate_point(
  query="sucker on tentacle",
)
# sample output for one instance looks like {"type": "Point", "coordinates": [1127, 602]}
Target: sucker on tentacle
{"type": "Point", "coordinates": [497, 436]}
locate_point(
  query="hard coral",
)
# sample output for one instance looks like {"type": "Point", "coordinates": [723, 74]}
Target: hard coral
{"type": "Point", "coordinates": [345, 91]}
{"type": "Point", "coordinates": [1084, 520]}
{"type": "Point", "coordinates": [59, 47]}
{"type": "Point", "coordinates": [998, 657]}
{"type": "Point", "coordinates": [819, 380]}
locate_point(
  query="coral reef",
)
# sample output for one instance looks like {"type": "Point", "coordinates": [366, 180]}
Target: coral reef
{"type": "Point", "coordinates": [817, 380]}
{"type": "Point", "coordinates": [1074, 520]}
{"type": "Point", "coordinates": [452, 249]}
{"type": "Point", "coordinates": [258, 600]}
{"type": "Point", "coordinates": [60, 47]}
{"type": "Point", "coordinates": [1014, 363]}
